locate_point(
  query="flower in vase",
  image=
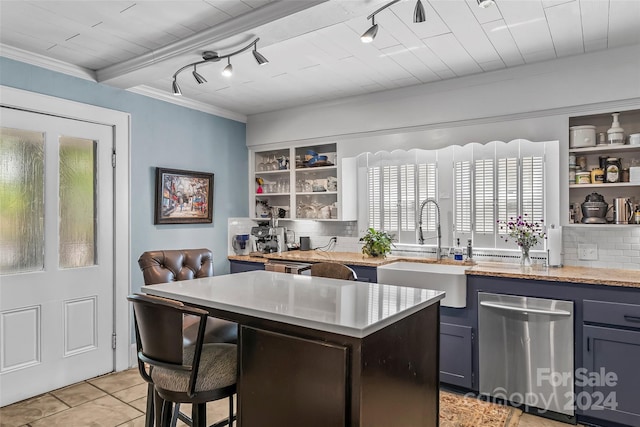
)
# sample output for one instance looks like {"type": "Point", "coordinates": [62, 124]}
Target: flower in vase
{"type": "Point", "coordinates": [526, 234]}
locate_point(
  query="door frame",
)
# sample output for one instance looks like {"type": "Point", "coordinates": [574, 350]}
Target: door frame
{"type": "Point", "coordinates": [120, 122]}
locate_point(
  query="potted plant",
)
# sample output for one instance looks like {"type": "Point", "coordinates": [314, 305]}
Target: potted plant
{"type": "Point", "coordinates": [376, 243]}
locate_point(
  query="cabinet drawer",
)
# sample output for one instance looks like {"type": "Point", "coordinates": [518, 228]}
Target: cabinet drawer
{"type": "Point", "coordinates": [612, 313]}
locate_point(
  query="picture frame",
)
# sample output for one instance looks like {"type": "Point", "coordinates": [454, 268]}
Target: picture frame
{"type": "Point", "coordinates": [183, 197]}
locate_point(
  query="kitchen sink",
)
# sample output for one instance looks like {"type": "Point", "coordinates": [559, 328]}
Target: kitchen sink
{"type": "Point", "coordinates": [442, 277]}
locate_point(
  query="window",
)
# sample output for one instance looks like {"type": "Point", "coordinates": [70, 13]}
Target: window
{"type": "Point", "coordinates": [490, 182]}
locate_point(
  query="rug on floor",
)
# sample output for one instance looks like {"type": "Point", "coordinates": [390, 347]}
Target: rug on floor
{"type": "Point", "coordinates": [462, 411]}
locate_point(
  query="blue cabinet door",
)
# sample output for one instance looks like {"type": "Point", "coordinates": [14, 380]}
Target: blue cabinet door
{"type": "Point", "coordinates": [242, 266]}
{"type": "Point", "coordinates": [365, 274]}
{"type": "Point", "coordinates": [455, 355]}
{"type": "Point", "coordinates": [610, 351]}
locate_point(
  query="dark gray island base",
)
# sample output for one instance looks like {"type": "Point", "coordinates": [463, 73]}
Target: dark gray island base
{"type": "Point", "coordinates": [304, 377]}
{"type": "Point", "coordinates": [318, 352]}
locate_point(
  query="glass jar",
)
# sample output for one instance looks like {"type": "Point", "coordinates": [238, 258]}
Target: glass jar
{"type": "Point", "coordinates": [612, 170]}
{"type": "Point", "coordinates": [597, 176]}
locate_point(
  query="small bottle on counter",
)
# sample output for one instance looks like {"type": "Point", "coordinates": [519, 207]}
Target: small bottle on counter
{"type": "Point", "coordinates": [457, 252]}
{"type": "Point", "coordinates": [636, 215]}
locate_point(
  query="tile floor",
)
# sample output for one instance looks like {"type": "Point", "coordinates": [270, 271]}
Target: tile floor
{"type": "Point", "coordinates": [119, 399]}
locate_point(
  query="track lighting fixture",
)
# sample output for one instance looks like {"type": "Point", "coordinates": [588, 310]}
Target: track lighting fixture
{"type": "Point", "coordinates": [210, 56]}
{"type": "Point", "coordinates": [418, 13]}
{"type": "Point", "coordinates": [198, 77]}
{"type": "Point", "coordinates": [370, 34]}
{"type": "Point", "coordinates": [485, 3]}
{"type": "Point", "coordinates": [261, 60]}
{"type": "Point", "coordinates": [176, 88]}
{"type": "Point", "coordinates": [418, 16]}
{"type": "Point", "coordinates": [228, 70]}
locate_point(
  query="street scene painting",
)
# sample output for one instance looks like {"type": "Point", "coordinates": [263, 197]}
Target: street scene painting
{"type": "Point", "coordinates": [183, 197]}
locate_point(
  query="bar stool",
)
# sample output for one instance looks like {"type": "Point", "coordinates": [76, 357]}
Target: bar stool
{"type": "Point", "coordinates": [195, 374]}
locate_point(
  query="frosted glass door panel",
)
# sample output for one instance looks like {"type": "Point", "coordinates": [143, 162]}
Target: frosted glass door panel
{"type": "Point", "coordinates": [21, 201]}
{"type": "Point", "coordinates": [77, 202]}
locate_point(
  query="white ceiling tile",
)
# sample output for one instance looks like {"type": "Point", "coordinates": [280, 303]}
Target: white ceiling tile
{"type": "Point", "coordinates": [231, 7]}
{"type": "Point", "coordinates": [491, 66]}
{"type": "Point", "coordinates": [367, 53]}
{"type": "Point", "coordinates": [465, 27]}
{"type": "Point", "coordinates": [528, 25]}
{"type": "Point", "coordinates": [566, 28]}
{"type": "Point", "coordinates": [624, 22]}
{"type": "Point", "coordinates": [503, 42]}
{"type": "Point", "coordinates": [409, 41]}
{"type": "Point", "coordinates": [595, 45]}
{"type": "Point", "coordinates": [407, 60]}
{"type": "Point", "coordinates": [451, 52]}
{"type": "Point", "coordinates": [85, 13]}
{"type": "Point", "coordinates": [543, 55]}
{"type": "Point", "coordinates": [552, 3]}
{"type": "Point", "coordinates": [595, 20]}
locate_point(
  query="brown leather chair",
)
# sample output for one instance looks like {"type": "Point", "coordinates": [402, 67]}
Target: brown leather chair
{"type": "Point", "coordinates": [195, 374]}
{"type": "Point", "coordinates": [186, 264]}
{"type": "Point", "coordinates": [333, 270]}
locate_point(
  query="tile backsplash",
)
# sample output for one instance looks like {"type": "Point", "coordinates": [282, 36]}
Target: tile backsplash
{"type": "Point", "coordinates": [616, 247]}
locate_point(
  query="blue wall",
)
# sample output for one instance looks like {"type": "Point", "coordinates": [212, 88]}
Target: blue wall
{"type": "Point", "coordinates": [164, 135]}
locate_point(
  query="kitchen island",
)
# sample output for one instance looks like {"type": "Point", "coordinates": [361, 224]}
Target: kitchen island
{"type": "Point", "coordinates": [325, 352]}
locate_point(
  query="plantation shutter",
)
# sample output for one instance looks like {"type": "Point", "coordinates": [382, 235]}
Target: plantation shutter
{"type": "Point", "coordinates": [390, 198]}
{"type": "Point", "coordinates": [427, 190]}
{"type": "Point", "coordinates": [375, 198]}
{"type": "Point", "coordinates": [507, 188]}
{"type": "Point", "coordinates": [533, 188]}
{"type": "Point", "coordinates": [462, 192]}
{"type": "Point", "coordinates": [484, 196]}
{"type": "Point", "coordinates": [407, 197]}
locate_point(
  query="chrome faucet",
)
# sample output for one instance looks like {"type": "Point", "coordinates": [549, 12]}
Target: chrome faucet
{"type": "Point", "coordinates": [421, 236]}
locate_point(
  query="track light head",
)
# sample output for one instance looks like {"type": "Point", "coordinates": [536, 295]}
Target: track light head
{"type": "Point", "coordinates": [418, 13]}
{"type": "Point", "coordinates": [261, 60]}
{"type": "Point", "coordinates": [198, 76]}
{"type": "Point", "coordinates": [228, 70]}
{"type": "Point", "coordinates": [485, 3]}
{"type": "Point", "coordinates": [370, 34]}
{"type": "Point", "coordinates": [176, 88]}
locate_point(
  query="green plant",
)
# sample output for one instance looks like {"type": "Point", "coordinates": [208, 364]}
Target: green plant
{"type": "Point", "coordinates": [376, 243]}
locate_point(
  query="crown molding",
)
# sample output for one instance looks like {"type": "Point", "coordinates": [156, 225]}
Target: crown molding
{"type": "Point", "coordinates": [188, 103]}
{"type": "Point", "coordinates": [46, 62]}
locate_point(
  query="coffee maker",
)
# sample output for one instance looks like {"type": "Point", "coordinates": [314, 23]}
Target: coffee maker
{"type": "Point", "coordinates": [268, 239]}
{"type": "Point", "coordinates": [241, 244]}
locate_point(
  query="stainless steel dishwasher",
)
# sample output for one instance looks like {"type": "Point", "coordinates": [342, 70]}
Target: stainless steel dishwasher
{"type": "Point", "coordinates": [526, 352]}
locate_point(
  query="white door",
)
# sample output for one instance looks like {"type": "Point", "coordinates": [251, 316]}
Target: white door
{"type": "Point", "coordinates": [56, 253]}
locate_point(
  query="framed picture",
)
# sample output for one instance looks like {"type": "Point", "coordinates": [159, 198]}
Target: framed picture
{"type": "Point", "coordinates": [183, 197]}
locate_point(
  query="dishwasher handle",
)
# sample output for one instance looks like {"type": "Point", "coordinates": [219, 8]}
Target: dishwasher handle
{"type": "Point", "coordinates": [525, 310]}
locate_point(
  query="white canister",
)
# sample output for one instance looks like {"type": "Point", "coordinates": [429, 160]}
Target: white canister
{"type": "Point", "coordinates": [582, 136]}
{"type": "Point", "coordinates": [634, 139]}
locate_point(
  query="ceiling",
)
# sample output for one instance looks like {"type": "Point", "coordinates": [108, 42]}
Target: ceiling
{"type": "Point", "coordinates": [313, 46]}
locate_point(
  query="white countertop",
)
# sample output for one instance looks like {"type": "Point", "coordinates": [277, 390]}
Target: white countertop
{"type": "Point", "coordinates": [355, 309]}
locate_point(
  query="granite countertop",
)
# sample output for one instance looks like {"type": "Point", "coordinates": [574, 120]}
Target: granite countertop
{"type": "Point", "coordinates": [587, 275]}
{"type": "Point", "coordinates": [331, 305]}
{"type": "Point", "coordinates": [351, 258]}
